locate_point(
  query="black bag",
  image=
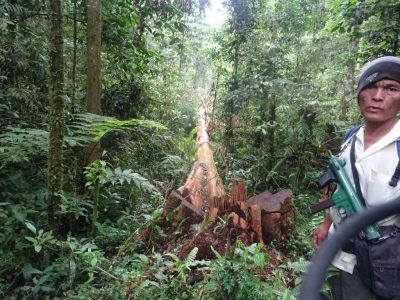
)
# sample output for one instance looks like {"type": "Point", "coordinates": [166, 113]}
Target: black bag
{"type": "Point", "coordinates": [379, 263]}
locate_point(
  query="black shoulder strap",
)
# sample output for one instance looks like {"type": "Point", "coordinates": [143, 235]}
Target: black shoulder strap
{"type": "Point", "coordinates": [355, 172]}
{"type": "Point", "coordinates": [396, 175]}
{"type": "Point", "coordinates": [352, 131]}
{"type": "Point", "coordinates": [393, 181]}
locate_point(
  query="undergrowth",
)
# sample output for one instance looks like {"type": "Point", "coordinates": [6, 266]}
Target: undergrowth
{"type": "Point", "coordinates": [119, 260]}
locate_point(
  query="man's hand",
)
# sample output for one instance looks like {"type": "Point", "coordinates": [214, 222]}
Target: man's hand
{"type": "Point", "coordinates": [321, 233]}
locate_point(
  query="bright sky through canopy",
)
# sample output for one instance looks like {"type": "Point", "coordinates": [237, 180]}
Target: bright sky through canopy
{"type": "Point", "coordinates": [216, 14]}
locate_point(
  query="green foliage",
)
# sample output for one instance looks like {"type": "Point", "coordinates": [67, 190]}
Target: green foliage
{"type": "Point", "coordinates": [373, 23]}
{"type": "Point", "coordinates": [277, 75]}
{"type": "Point", "coordinates": [75, 207]}
{"type": "Point", "coordinates": [20, 145]}
{"type": "Point", "coordinates": [183, 267]}
{"type": "Point", "coordinates": [13, 9]}
{"type": "Point", "coordinates": [173, 166]}
{"type": "Point", "coordinates": [128, 176]}
{"type": "Point", "coordinates": [169, 279]}
{"type": "Point", "coordinates": [41, 239]}
{"type": "Point", "coordinates": [98, 172]}
{"type": "Point", "coordinates": [232, 277]}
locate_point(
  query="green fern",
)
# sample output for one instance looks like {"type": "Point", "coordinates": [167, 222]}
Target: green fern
{"type": "Point", "coordinates": [300, 266]}
{"type": "Point", "coordinates": [183, 266]}
{"type": "Point", "coordinates": [173, 166]}
{"type": "Point", "coordinates": [128, 176]}
{"type": "Point", "coordinates": [19, 144]}
{"type": "Point", "coordinates": [97, 126]}
{"type": "Point", "coordinates": [13, 9]}
{"type": "Point", "coordinates": [192, 256]}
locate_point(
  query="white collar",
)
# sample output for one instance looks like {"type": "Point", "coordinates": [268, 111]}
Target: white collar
{"type": "Point", "coordinates": [390, 137]}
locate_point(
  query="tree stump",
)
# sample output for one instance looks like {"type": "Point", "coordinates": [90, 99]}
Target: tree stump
{"type": "Point", "coordinates": [261, 218]}
{"type": "Point", "coordinates": [277, 216]}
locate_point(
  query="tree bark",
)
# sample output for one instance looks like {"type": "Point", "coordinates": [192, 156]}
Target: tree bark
{"type": "Point", "coordinates": [56, 117]}
{"type": "Point", "coordinates": [203, 192]}
{"type": "Point", "coordinates": [271, 134]}
{"type": "Point", "coordinates": [74, 57]}
{"type": "Point", "coordinates": [93, 97]}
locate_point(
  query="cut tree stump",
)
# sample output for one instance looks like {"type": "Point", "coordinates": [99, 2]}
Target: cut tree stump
{"type": "Point", "coordinates": [261, 218]}
{"type": "Point", "coordinates": [277, 214]}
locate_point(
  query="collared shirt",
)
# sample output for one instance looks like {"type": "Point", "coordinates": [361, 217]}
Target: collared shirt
{"type": "Point", "coordinates": [375, 167]}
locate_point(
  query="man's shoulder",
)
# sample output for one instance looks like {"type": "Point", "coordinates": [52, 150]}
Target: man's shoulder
{"type": "Point", "coordinates": [352, 131]}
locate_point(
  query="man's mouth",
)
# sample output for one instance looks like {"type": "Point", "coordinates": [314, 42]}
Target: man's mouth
{"type": "Point", "coordinates": [373, 108]}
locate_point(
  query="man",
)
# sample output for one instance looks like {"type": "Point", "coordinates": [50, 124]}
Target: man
{"type": "Point", "coordinates": [376, 159]}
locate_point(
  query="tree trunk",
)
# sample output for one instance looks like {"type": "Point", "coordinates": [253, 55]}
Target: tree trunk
{"type": "Point", "coordinates": [271, 134]}
{"type": "Point", "coordinates": [348, 88]}
{"type": "Point", "coordinates": [93, 97]}
{"type": "Point", "coordinates": [262, 218]}
{"type": "Point", "coordinates": [203, 193]}
{"type": "Point", "coordinates": [74, 57]}
{"type": "Point", "coordinates": [56, 117]}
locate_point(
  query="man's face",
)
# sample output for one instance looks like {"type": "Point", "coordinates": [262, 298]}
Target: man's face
{"type": "Point", "coordinates": [380, 101]}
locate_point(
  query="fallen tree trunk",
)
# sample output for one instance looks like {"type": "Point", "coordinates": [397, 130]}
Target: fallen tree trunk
{"type": "Point", "coordinates": [261, 218]}
{"type": "Point", "coordinates": [203, 193]}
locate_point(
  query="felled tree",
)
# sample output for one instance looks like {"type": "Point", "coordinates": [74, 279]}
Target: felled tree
{"type": "Point", "coordinates": [261, 218]}
{"type": "Point", "coordinates": [203, 192]}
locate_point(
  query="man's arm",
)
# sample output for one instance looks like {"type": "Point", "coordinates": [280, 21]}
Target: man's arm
{"type": "Point", "coordinates": [321, 233]}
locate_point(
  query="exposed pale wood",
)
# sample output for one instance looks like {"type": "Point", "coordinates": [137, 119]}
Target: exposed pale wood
{"type": "Point", "coordinates": [203, 187]}
{"type": "Point", "coordinates": [279, 202]}
{"type": "Point", "coordinates": [256, 223]}
{"type": "Point", "coordinates": [259, 199]}
{"type": "Point", "coordinates": [261, 218]}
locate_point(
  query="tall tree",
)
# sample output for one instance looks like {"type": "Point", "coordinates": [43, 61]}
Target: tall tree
{"type": "Point", "coordinates": [56, 109]}
{"type": "Point", "coordinates": [93, 96]}
{"type": "Point", "coordinates": [74, 55]}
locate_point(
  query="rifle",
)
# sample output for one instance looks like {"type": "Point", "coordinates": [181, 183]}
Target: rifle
{"type": "Point", "coordinates": [345, 198]}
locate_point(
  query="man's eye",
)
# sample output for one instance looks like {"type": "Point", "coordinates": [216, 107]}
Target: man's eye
{"type": "Point", "coordinates": [392, 89]}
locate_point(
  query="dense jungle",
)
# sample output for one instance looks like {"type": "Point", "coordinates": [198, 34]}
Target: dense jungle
{"type": "Point", "coordinates": [114, 113]}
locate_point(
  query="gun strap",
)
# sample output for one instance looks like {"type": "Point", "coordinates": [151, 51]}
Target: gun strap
{"type": "Point", "coordinates": [355, 172]}
{"type": "Point", "coordinates": [396, 175]}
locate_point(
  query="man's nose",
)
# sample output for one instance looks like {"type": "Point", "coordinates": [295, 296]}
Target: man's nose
{"type": "Point", "coordinates": [378, 93]}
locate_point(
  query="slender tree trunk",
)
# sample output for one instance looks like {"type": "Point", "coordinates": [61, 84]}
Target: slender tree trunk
{"type": "Point", "coordinates": [11, 70]}
{"type": "Point", "coordinates": [215, 97]}
{"type": "Point", "coordinates": [74, 57]}
{"type": "Point", "coordinates": [348, 89]}
{"type": "Point", "coordinates": [93, 97]}
{"type": "Point", "coordinates": [350, 80]}
{"type": "Point", "coordinates": [271, 135]}
{"type": "Point", "coordinates": [236, 59]}
{"type": "Point", "coordinates": [56, 117]}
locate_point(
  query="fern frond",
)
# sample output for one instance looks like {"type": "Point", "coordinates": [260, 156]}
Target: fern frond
{"type": "Point", "coordinates": [13, 9]}
{"type": "Point", "coordinates": [191, 256]}
{"type": "Point", "coordinates": [173, 165]}
{"type": "Point", "coordinates": [100, 128]}
{"type": "Point", "coordinates": [18, 144]}
{"type": "Point", "coordinates": [128, 176]}
{"type": "Point", "coordinates": [173, 256]}
{"type": "Point", "coordinates": [300, 266]}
